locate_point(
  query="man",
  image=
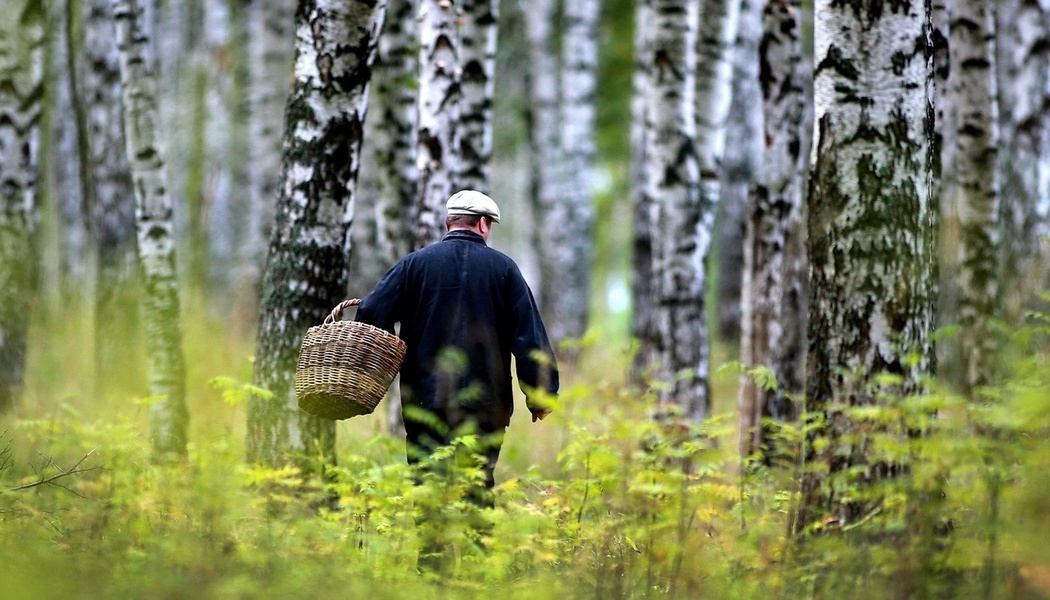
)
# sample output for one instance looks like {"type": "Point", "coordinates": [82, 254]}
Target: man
{"type": "Point", "coordinates": [464, 310]}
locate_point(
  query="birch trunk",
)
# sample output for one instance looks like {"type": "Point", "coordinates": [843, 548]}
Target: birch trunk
{"type": "Point", "coordinates": [672, 182]}
{"type": "Point", "coordinates": [643, 291]}
{"type": "Point", "coordinates": [393, 139]}
{"type": "Point", "coordinates": [271, 41]}
{"type": "Point", "coordinates": [742, 161]}
{"type": "Point", "coordinates": [971, 187]}
{"type": "Point", "coordinates": [1024, 91]}
{"type": "Point", "coordinates": [562, 86]}
{"type": "Point", "coordinates": [773, 295]}
{"type": "Point", "coordinates": [440, 97]}
{"type": "Point", "coordinates": [478, 34]}
{"type": "Point", "coordinates": [156, 240]}
{"type": "Point", "coordinates": [21, 90]}
{"type": "Point", "coordinates": [567, 298]}
{"type": "Point", "coordinates": [65, 119]}
{"type": "Point", "coordinates": [871, 236]}
{"type": "Point", "coordinates": [308, 267]}
{"type": "Point", "coordinates": [110, 197]}
{"type": "Point", "coordinates": [219, 210]}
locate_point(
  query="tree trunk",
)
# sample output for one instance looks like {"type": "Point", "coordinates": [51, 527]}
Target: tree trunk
{"type": "Point", "coordinates": [110, 198]}
{"type": "Point", "coordinates": [871, 238]}
{"type": "Point", "coordinates": [21, 91]}
{"type": "Point", "coordinates": [394, 133]}
{"type": "Point", "coordinates": [562, 114]}
{"type": "Point", "coordinates": [440, 97]}
{"type": "Point", "coordinates": [774, 300]}
{"type": "Point", "coordinates": [672, 182]}
{"type": "Point", "coordinates": [971, 189]}
{"type": "Point", "coordinates": [643, 293]}
{"type": "Point", "coordinates": [742, 161]}
{"type": "Point", "coordinates": [478, 34]}
{"type": "Point", "coordinates": [308, 267]}
{"type": "Point", "coordinates": [271, 31]}
{"type": "Point", "coordinates": [156, 241]}
{"type": "Point", "coordinates": [1024, 153]}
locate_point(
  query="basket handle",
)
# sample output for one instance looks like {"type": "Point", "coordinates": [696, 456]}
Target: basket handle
{"type": "Point", "coordinates": [332, 318]}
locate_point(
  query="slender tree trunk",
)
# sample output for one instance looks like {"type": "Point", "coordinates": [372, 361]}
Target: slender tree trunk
{"type": "Point", "coordinates": [478, 35]}
{"type": "Point", "coordinates": [971, 188]}
{"type": "Point", "coordinates": [221, 217]}
{"type": "Point", "coordinates": [271, 41]}
{"type": "Point", "coordinates": [1024, 151]}
{"type": "Point", "coordinates": [21, 93]}
{"type": "Point", "coordinates": [308, 267]}
{"type": "Point", "coordinates": [643, 328]}
{"type": "Point", "coordinates": [743, 157]}
{"type": "Point", "coordinates": [156, 241]}
{"type": "Point", "coordinates": [672, 182]}
{"type": "Point", "coordinates": [774, 299]}
{"type": "Point", "coordinates": [110, 198]}
{"type": "Point", "coordinates": [871, 237]}
{"type": "Point", "coordinates": [440, 97]}
{"type": "Point", "coordinates": [393, 139]}
{"type": "Point", "coordinates": [567, 299]}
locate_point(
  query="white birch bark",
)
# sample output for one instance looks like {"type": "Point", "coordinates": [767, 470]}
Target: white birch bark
{"type": "Point", "coordinates": [742, 159]}
{"type": "Point", "coordinates": [642, 288]}
{"type": "Point", "coordinates": [773, 295]}
{"type": "Point", "coordinates": [478, 35]}
{"type": "Point", "coordinates": [308, 267]}
{"type": "Point", "coordinates": [108, 193]}
{"type": "Point", "coordinates": [65, 119]}
{"type": "Point", "coordinates": [672, 181]}
{"type": "Point", "coordinates": [21, 90]}
{"type": "Point", "coordinates": [219, 210]}
{"type": "Point", "coordinates": [971, 186]}
{"type": "Point", "coordinates": [155, 234]}
{"type": "Point", "coordinates": [393, 128]}
{"type": "Point", "coordinates": [1024, 91]}
{"type": "Point", "coordinates": [271, 41]}
{"type": "Point", "coordinates": [438, 133]}
{"type": "Point", "coordinates": [871, 232]}
{"type": "Point", "coordinates": [567, 298]}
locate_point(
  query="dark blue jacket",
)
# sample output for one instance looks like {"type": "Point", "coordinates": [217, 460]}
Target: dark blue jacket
{"type": "Point", "coordinates": [464, 309]}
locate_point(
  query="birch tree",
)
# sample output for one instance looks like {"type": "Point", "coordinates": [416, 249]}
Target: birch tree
{"type": "Point", "coordinates": [871, 235]}
{"type": "Point", "coordinates": [156, 240]}
{"type": "Point", "coordinates": [478, 37]}
{"type": "Point", "coordinates": [438, 133]}
{"type": "Point", "coordinates": [562, 85]}
{"type": "Point", "coordinates": [271, 41]}
{"type": "Point", "coordinates": [1023, 60]}
{"type": "Point", "coordinates": [21, 91]}
{"type": "Point", "coordinates": [308, 267]}
{"type": "Point", "coordinates": [742, 160]}
{"type": "Point", "coordinates": [643, 329]}
{"type": "Point", "coordinates": [773, 294]}
{"type": "Point", "coordinates": [672, 183]}
{"type": "Point", "coordinates": [971, 186]}
{"type": "Point", "coordinates": [108, 193]}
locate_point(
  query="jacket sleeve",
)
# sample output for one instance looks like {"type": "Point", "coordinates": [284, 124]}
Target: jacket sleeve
{"type": "Point", "coordinates": [536, 364]}
{"type": "Point", "coordinates": [382, 307]}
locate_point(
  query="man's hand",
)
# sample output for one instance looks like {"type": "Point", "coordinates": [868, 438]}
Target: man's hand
{"type": "Point", "coordinates": [541, 415]}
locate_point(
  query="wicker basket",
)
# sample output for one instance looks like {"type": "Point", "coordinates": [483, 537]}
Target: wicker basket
{"type": "Point", "coordinates": [345, 367]}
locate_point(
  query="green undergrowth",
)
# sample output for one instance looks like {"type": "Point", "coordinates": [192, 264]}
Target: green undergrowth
{"type": "Point", "coordinates": [599, 501]}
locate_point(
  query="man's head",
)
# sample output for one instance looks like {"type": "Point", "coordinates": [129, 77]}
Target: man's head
{"type": "Point", "coordinates": [470, 209]}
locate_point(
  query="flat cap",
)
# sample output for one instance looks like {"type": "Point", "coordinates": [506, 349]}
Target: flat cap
{"type": "Point", "coordinates": [472, 202]}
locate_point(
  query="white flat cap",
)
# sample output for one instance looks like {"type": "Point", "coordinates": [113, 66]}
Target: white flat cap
{"type": "Point", "coordinates": [472, 202]}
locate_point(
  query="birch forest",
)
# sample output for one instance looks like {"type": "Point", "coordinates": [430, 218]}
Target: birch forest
{"type": "Point", "coordinates": [793, 255]}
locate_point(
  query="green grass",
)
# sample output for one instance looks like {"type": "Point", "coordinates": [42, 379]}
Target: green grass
{"type": "Point", "coordinates": [595, 502]}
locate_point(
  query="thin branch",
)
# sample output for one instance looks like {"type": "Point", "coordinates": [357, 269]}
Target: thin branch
{"type": "Point", "coordinates": [75, 469]}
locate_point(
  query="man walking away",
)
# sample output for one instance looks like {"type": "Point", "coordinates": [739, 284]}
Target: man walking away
{"type": "Point", "coordinates": [464, 310]}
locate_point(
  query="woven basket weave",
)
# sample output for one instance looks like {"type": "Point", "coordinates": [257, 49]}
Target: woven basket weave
{"type": "Point", "coordinates": [345, 367]}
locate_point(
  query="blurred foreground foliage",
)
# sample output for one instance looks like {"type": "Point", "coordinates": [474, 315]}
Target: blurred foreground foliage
{"type": "Point", "coordinates": [602, 502]}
